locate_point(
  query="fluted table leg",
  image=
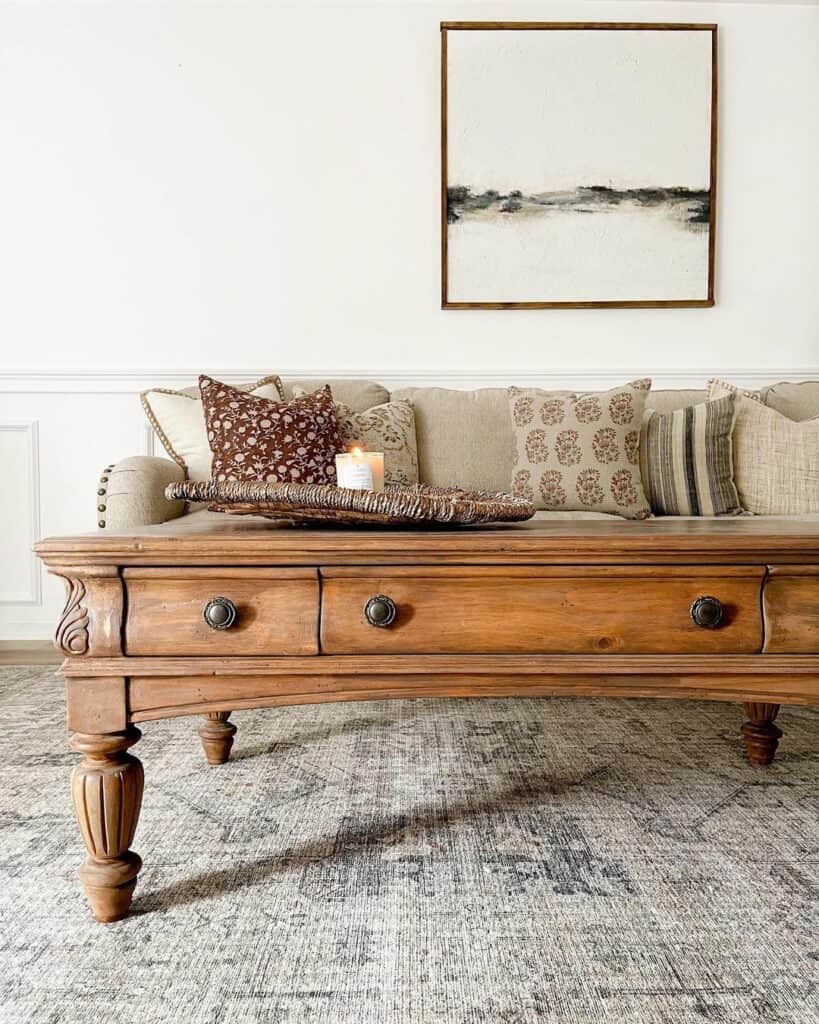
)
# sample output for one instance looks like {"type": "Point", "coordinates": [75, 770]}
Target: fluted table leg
{"type": "Point", "coordinates": [760, 734]}
{"type": "Point", "coordinates": [107, 790]}
{"type": "Point", "coordinates": [217, 735]}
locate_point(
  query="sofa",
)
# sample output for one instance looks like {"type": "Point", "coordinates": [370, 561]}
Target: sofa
{"type": "Point", "coordinates": [464, 440]}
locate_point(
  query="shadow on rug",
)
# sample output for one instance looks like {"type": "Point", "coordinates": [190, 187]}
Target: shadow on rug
{"type": "Point", "coordinates": [456, 862]}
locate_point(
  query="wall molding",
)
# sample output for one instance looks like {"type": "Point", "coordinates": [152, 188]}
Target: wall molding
{"type": "Point", "coordinates": [34, 595]}
{"type": "Point", "coordinates": [129, 381]}
{"type": "Point", "coordinates": [148, 439]}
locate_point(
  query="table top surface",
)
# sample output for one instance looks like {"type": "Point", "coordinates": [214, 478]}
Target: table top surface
{"type": "Point", "coordinates": [210, 538]}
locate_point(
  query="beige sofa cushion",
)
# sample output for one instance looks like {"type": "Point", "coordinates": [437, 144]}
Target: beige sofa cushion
{"type": "Point", "coordinates": [358, 395]}
{"type": "Point", "coordinates": [776, 460]}
{"type": "Point", "coordinates": [563, 517]}
{"type": "Point", "coordinates": [179, 422]}
{"type": "Point", "coordinates": [672, 400]}
{"type": "Point", "coordinates": [464, 437]}
{"type": "Point", "coordinates": [796, 401]}
{"type": "Point", "coordinates": [648, 524]}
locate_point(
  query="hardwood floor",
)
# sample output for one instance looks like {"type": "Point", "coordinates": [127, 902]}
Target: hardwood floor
{"type": "Point", "coordinates": [28, 652]}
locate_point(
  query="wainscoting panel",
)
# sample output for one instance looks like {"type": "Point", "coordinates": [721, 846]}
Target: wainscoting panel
{"type": "Point", "coordinates": [59, 429]}
{"type": "Point", "coordinates": [21, 578]}
{"type": "Point", "coordinates": [53, 448]}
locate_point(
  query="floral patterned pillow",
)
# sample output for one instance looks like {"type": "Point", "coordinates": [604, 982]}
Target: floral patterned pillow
{"type": "Point", "coordinates": [580, 452]}
{"type": "Point", "coordinates": [255, 438]}
{"type": "Point", "coordinates": [387, 428]}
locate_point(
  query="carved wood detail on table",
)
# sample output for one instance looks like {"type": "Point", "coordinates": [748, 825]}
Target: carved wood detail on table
{"type": "Point", "coordinates": [91, 621]}
{"type": "Point", "coordinates": [71, 635]}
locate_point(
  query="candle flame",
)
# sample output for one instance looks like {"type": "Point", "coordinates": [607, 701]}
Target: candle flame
{"type": "Point", "coordinates": [358, 452]}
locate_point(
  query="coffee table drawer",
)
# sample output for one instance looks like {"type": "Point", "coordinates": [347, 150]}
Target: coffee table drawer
{"type": "Point", "coordinates": [521, 611]}
{"type": "Point", "coordinates": [249, 611]}
{"type": "Point", "coordinates": [791, 607]}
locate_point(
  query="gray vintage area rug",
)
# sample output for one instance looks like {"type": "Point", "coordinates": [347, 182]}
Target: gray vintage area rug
{"type": "Point", "coordinates": [455, 862]}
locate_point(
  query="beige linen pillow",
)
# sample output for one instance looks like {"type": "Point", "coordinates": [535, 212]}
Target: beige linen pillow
{"type": "Point", "coordinates": [776, 460]}
{"type": "Point", "coordinates": [580, 452]}
{"type": "Point", "coordinates": [798, 400]}
{"type": "Point", "coordinates": [387, 428]}
{"type": "Point", "coordinates": [179, 422]}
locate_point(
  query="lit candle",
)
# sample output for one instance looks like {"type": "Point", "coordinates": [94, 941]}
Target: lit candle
{"type": "Point", "coordinates": [360, 470]}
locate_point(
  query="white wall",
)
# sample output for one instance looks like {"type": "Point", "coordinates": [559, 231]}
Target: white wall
{"type": "Point", "coordinates": [255, 185]}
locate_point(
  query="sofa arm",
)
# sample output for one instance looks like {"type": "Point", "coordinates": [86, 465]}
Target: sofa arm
{"type": "Point", "coordinates": [132, 493]}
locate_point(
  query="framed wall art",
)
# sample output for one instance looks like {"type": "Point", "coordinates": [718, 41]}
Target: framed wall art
{"type": "Point", "coordinates": [578, 164]}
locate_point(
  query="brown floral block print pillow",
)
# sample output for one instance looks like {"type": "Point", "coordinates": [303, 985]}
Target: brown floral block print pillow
{"type": "Point", "coordinates": [255, 438]}
{"type": "Point", "coordinates": [580, 452]}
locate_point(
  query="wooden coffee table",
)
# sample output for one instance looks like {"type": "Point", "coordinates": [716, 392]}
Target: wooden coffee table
{"type": "Point", "coordinates": [208, 614]}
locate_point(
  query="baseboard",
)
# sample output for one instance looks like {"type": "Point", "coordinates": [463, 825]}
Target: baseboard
{"type": "Point", "coordinates": [129, 381]}
{"type": "Point", "coordinates": [28, 652]}
{"type": "Point", "coordinates": [18, 633]}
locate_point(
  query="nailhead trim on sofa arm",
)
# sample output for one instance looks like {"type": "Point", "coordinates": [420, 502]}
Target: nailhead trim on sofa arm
{"type": "Point", "coordinates": [131, 493]}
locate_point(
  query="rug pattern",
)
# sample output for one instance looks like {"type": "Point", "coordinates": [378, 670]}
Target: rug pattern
{"type": "Point", "coordinates": [423, 862]}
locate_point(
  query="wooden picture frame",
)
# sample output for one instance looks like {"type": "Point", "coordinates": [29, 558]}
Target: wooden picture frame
{"type": "Point", "coordinates": [666, 199]}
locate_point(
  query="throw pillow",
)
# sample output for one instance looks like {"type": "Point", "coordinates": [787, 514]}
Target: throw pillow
{"type": "Point", "coordinates": [776, 460]}
{"type": "Point", "coordinates": [254, 438]}
{"type": "Point", "coordinates": [796, 400]}
{"type": "Point", "coordinates": [686, 463]}
{"type": "Point", "coordinates": [387, 428]}
{"type": "Point", "coordinates": [179, 423]}
{"type": "Point", "coordinates": [580, 452]}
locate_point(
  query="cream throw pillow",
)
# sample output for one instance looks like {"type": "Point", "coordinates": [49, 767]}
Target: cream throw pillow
{"type": "Point", "coordinates": [179, 422]}
{"type": "Point", "coordinates": [580, 452]}
{"type": "Point", "coordinates": [387, 428]}
{"type": "Point", "coordinates": [776, 460]}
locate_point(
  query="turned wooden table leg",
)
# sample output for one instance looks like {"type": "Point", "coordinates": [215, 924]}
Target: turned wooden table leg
{"type": "Point", "coordinates": [760, 734]}
{"type": "Point", "coordinates": [217, 735]}
{"type": "Point", "coordinates": [107, 790]}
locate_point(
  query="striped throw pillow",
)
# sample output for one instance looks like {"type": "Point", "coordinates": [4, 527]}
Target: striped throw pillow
{"type": "Point", "coordinates": [686, 461]}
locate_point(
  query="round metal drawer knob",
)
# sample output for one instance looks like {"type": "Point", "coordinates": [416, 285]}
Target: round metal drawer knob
{"type": "Point", "coordinates": [380, 611]}
{"type": "Point", "coordinates": [220, 613]}
{"type": "Point", "coordinates": [707, 612]}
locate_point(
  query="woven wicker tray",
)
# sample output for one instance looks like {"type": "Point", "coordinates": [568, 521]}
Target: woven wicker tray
{"type": "Point", "coordinates": [326, 503]}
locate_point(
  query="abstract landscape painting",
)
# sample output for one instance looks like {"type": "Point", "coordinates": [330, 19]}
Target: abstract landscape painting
{"type": "Point", "coordinates": [579, 165]}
